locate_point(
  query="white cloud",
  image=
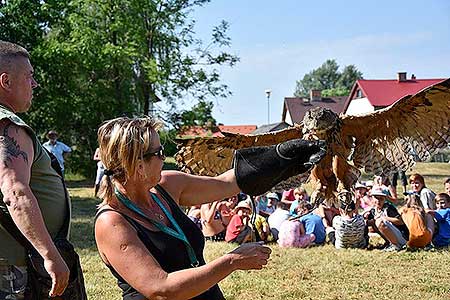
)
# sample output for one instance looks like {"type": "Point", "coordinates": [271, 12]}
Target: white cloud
{"type": "Point", "coordinates": [279, 66]}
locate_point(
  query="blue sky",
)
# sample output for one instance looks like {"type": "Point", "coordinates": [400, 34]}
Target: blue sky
{"type": "Point", "coordinates": [278, 42]}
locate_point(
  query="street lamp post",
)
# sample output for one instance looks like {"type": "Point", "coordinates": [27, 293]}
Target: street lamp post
{"type": "Point", "coordinates": [268, 92]}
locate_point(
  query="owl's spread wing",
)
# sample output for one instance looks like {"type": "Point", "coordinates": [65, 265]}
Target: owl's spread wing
{"type": "Point", "coordinates": [388, 139]}
{"type": "Point", "coordinates": [212, 156]}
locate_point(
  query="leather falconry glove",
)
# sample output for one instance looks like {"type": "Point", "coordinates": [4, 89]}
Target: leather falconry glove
{"type": "Point", "coordinates": [258, 169]}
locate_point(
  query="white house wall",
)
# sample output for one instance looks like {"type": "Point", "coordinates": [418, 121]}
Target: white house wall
{"type": "Point", "coordinates": [359, 106]}
{"type": "Point", "coordinates": [288, 118]}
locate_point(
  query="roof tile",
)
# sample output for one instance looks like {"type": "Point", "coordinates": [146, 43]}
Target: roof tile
{"type": "Point", "coordinates": [297, 107]}
{"type": "Point", "coordinates": [386, 92]}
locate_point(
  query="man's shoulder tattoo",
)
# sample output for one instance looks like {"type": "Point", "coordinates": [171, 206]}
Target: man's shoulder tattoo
{"type": "Point", "coordinates": [9, 148]}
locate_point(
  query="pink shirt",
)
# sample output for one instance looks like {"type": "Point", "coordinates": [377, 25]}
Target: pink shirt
{"type": "Point", "coordinates": [289, 235]}
{"type": "Point", "coordinates": [289, 195]}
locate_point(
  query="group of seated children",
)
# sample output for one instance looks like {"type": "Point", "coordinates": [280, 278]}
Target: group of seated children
{"type": "Point", "coordinates": [291, 221]}
{"type": "Point", "coordinates": [420, 223]}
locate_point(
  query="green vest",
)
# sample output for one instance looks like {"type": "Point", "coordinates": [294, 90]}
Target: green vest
{"type": "Point", "coordinates": [46, 186]}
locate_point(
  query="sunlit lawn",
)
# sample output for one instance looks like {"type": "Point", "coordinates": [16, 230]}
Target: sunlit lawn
{"type": "Point", "coordinates": [314, 273]}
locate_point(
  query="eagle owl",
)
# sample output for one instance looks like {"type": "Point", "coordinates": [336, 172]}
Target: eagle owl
{"type": "Point", "coordinates": [380, 142]}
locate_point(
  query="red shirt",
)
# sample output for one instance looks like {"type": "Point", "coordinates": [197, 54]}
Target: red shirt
{"type": "Point", "coordinates": [233, 228]}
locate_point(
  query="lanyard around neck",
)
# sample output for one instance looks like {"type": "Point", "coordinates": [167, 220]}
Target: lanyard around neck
{"type": "Point", "coordinates": [177, 233]}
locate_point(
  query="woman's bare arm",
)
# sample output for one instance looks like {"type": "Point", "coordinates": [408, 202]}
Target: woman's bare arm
{"type": "Point", "coordinates": [119, 243]}
{"type": "Point", "coordinates": [191, 190]}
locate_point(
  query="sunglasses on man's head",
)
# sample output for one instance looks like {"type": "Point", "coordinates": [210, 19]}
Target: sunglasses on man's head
{"type": "Point", "coordinates": [159, 153]}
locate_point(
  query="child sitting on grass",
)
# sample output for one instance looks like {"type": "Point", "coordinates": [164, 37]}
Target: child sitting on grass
{"type": "Point", "coordinates": [238, 230]}
{"type": "Point", "coordinates": [292, 234]}
{"type": "Point", "coordinates": [312, 222]}
{"type": "Point", "coordinates": [262, 229]}
{"type": "Point", "coordinates": [420, 224]}
{"type": "Point", "coordinates": [442, 217]}
{"type": "Point", "coordinates": [350, 228]}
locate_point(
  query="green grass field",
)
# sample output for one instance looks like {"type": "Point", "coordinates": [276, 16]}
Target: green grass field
{"type": "Point", "coordinates": [313, 273]}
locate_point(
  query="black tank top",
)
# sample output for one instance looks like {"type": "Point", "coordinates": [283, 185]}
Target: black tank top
{"type": "Point", "coordinates": [169, 251]}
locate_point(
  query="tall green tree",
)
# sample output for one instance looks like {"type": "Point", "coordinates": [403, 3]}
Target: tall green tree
{"type": "Point", "coordinates": [153, 43]}
{"type": "Point", "coordinates": [99, 59]}
{"type": "Point", "coordinates": [329, 80]}
{"type": "Point", "coordinates": [199, 115]}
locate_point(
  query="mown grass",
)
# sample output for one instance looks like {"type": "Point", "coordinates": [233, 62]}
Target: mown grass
{"type": "Point", "coordinates": [313, 273]}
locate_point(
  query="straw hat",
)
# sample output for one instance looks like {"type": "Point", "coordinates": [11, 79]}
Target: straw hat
{"type": "Point", "coordinates": [244, 204]}
{"type": "Point", "coordinates": [359, 185]}
{"type": "Point", "coordinates": [369, 183]}
{"type": "Point", "coordinates": [273, 196]}
{"type": "Point", "coordinates": [377, 191]}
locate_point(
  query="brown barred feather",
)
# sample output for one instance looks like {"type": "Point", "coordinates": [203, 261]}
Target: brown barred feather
{"type": "Point", "coordinates": [380, 142]}
{"type": "Point", "coordinates": [418, 123]}
{"type": "Point", "coordinates": [214, 155]}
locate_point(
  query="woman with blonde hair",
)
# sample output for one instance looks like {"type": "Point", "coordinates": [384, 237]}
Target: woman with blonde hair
{"type": "Point", "coordinates": [153, 249]}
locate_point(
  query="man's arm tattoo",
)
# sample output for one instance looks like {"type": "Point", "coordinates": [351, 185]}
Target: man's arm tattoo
{"type": "Point", "coordinates": [9, 148]}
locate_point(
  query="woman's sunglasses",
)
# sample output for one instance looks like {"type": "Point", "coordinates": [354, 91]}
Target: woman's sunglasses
{"type": "Point", "coordinates": [159, 153]}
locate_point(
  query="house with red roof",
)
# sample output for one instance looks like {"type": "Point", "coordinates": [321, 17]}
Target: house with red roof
{"type": "Point", "coordinates": [294, 108]}
{"type": "Point", "coordinates": [199, 131]}
{"type": "Point", "coordinates": [368, 95]}
{"type": "Point", "coordinates": [241, 129]}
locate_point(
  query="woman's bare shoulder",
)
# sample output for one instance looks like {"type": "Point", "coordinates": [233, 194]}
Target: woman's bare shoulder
{"type": "Point", "coordinates": [107, 216]}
